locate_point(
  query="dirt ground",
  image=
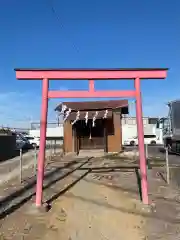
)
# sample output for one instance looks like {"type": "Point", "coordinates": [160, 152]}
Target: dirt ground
{"type": "Point", "coordinates": [94, 199]}
{"type": "Point", "coordinates": [92, 211]}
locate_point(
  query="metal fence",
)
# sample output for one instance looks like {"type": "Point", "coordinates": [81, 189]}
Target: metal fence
{"type": "Point", "coordinates": [36, 125]}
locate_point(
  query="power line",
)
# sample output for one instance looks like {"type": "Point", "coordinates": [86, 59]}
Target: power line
{"type": "Point", "coordinates": [56, 15]}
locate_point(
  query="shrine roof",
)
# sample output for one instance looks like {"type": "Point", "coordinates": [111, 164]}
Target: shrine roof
{"type": "Point", "coordinates": [94, 105]}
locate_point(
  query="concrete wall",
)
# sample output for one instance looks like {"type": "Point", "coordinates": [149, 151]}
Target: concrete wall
{"type": "Point", "coordinates": [7, 146]}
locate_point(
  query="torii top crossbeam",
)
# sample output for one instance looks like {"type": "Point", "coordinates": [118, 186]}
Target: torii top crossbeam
{"type": "Point", "coordinates": [101, 74]}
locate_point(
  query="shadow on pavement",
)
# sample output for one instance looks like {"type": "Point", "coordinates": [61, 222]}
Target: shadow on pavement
{"type": "Point", "coordinates": [152, 215]}
{"type": "Point", "coordinates": [54, 197]}
{"type": "Point", "coordinates": [15, 200]}
{"type": "Point", "coordinates": [165, 218]}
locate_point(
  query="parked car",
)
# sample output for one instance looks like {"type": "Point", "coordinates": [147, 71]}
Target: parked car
{"type": "Point", "coordinates": [148, 139]}
{"type": "Point", "coordinates": [34, 141]}
{"type": "Point", "coordinates": [27, 143]}
{"type": "Point", "coordinates": [20, 143]}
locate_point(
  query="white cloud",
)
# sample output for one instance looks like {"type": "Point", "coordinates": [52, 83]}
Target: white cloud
{"type": "Point", "coordinates": [151, 108]}
{"type": "Point", "coordinates": [63, 88]}
{"type": "Point", "coordinates": [155, 110]}
{"type": "Point", "coordinates": [18, 108]}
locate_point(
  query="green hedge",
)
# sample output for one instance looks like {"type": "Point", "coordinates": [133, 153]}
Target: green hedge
{"type": "Point", "coordinates": [6, 131]}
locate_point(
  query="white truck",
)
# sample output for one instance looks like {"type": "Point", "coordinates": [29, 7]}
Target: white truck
{"type": "Point", "coordinates": [171, 127]}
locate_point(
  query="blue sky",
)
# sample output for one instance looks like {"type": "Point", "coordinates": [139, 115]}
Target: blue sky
{"type": "Point", "coordinates": [82, 33]}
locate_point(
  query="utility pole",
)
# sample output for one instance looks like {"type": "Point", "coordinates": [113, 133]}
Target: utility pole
{"type": "Point", "coordinates": [31, 121]}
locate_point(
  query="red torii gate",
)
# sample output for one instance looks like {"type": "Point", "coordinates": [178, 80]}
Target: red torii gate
{"type": "Point", "coordinates": [90, 74]}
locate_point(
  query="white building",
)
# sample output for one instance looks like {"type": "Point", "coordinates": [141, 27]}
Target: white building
{"type": "Point", "coordinates": [54, 130]}
{"type": "Point", "coordinates": [129, 129]}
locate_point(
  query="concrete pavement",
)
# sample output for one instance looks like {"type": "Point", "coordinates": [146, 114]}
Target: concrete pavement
{"type": "Point", "coordinates": [157, 152]}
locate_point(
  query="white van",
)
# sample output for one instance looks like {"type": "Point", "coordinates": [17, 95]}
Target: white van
{"type": "Point", "coordinates": [148, 139]}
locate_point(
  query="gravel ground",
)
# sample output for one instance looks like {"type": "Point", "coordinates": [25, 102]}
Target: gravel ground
{"type": "Point", "coordinates": [91, 199]}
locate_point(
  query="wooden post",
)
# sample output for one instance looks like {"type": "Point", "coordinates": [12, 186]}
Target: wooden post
{"type": "Point", "coordinates": [146, 146]}
{"type": "Point", "coordinates": [35, 160]}
{"type": "Point", "coordinates": [167, 167]}
{"type": "Point", "coordinates": [20, 166]}
{"type": "Point", "coordinates": [54, 146]}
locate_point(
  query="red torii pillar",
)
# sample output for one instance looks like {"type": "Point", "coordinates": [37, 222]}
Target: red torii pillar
{"type": "Point", "coordinates": [90, 74]}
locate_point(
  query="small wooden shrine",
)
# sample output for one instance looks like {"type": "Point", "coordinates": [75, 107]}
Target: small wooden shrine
{"type": "Point", "coordinates": [93, 125]}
